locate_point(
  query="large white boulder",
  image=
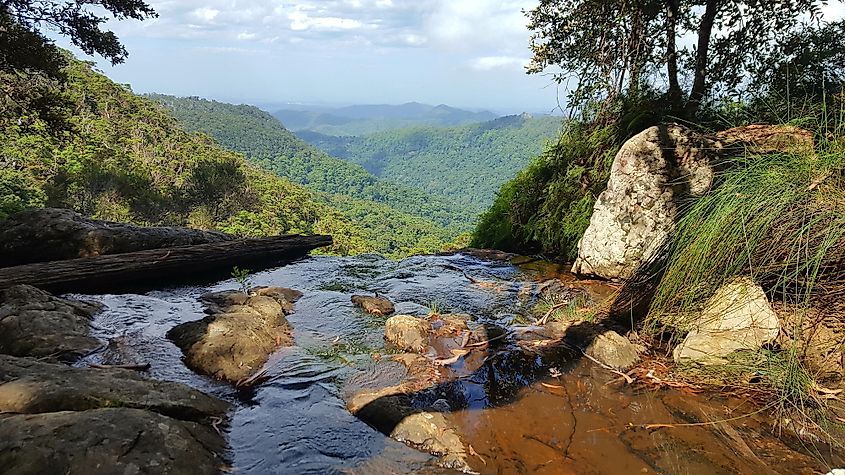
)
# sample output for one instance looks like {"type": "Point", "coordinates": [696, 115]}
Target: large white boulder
{"type": "Point", "coordinates": [637, 212]}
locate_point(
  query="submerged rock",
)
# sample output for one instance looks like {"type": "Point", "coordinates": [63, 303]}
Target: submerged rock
{"type": "Point", "coordinates": [407, 333]}
{"type": "Point", "coordinates": [433, 433]}
{"type": "Point", "coordinates": [374, 305]}
{"type": "Point", "coordinates": [35, 323]}
{"type": "Point", "coordinates": [51, 234]}
{"type": "Point", "coordinates": [382, 397]}
{"type": "Point", "coordinates": [238, 336]}
{"type": "Point", "coordinates": [107, 441]}
{"type": "Point", "coordinates": [737, 317]}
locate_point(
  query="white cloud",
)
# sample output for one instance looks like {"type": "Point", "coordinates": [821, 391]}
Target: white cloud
{"type": "Point", "coordinates": [474, 23]}
{"type": "Point", "coordinates": [488, 63]}
{"type": "Point", "coordinates": [244, 36]}
{"type": "Point", "coordinates": [300, 20]}
{"type": "Point", "coordinates": [205, 15]}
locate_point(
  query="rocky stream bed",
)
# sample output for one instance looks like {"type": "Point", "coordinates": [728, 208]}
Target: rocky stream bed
{"type": "Point", "coordinates": [462, 382]}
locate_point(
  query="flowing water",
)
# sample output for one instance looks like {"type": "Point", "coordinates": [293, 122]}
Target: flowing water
{"type": "Point", "coordinates": [520, 412]}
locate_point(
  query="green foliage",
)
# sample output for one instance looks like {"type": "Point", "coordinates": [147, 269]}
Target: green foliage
{"type": "Point", "coordinates": [127, 159]}
{"type": "Point", "coordinates": [547, 207]}
{"type": "Point", "coordinates": [18, 192]}
{"type": "Point", "coordinates": [614, 47]}
{"type": "Point", "coordinates": [464, 164]}
{"type": "Point", "coordinates": [24, 48]}
{"type": "Point", "coordinates": [778, 218]}
{"type": "Point", "coordinates": [241, 276]}
{"type": "Point", "coordinates": [264, 141]}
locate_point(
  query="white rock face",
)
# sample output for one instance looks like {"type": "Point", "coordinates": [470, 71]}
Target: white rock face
{"type": "Point", "coordinates": [737, 317]}
{"type": "Point", "coordinates": [637, 212]}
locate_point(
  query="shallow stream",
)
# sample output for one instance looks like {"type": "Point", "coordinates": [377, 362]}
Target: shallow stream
{"type": "Point", "coordinates": [519, 412]}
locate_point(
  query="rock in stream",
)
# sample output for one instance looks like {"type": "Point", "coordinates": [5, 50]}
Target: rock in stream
{"type": "Point", "coordinates": [237, 338]}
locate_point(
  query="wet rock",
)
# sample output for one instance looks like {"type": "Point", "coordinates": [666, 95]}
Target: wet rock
{"type": "Point", "coordinates": [556, 329]}
{"type": "Point", "coordinates": [614, 350]}
{"type": "Point", "coordinates": [432, 432]}
{"type": "Point", "coordinates": [35, 323]}
{"type": "Point", "coordinates": [107, 441]}
{"type": "Point", "coordinates": [737, 317]}
{"type": "Point", "coordinates": [407, 333]}
{"type": "Point", "coordinates": [54, 234]}
{"type": "Point", "coordinates": [30, 386]}
{"type": "Point", "coordinates": [279, 293]}
{"type": "Point", "coordinates": [383, 398]}
{"type": "Point", "coordinates": [238, 336]}
{"type": "Point", "coordinates": [634, 216]}
{"type": "Point", "coordinates": [374, 305]}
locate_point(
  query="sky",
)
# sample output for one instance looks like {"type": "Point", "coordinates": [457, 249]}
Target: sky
{"type": "Point", "coordinates": [464, 53]}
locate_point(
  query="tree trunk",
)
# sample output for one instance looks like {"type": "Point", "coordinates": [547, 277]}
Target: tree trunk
{"type": "Point", "coordinates": [705, 30]}
{"type": "Point", "coordinates": [160, 267]}
{"type": "Point", "coordinates": [675, 100]}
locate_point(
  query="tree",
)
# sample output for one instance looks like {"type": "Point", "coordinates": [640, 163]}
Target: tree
{"type": "Point", "coordinates": [30, 64]}
{"type": "Point", "coordinates": [24, 47]}
{"type": "Point", "coordinates": [614, 46]}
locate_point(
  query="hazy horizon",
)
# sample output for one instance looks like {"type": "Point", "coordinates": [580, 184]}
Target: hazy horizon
{"type": "Point", "coordinates": [467, 54]}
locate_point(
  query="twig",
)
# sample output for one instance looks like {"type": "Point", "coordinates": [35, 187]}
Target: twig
{"type": "Point", "coordinates": [482, 343]}
{"type": "Point", "coordinates": [548, 314]}
{"type": "Point", "coordinates": [700, 424]}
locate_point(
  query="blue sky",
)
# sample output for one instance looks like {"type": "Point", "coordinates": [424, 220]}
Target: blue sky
{"type": "Point", "coordinates": [466, 53]}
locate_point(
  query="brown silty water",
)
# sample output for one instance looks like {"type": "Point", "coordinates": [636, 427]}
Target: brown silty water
{"type": "Point", "coordinates": [516, 407]}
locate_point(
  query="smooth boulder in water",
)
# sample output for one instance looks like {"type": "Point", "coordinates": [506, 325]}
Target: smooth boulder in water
{"type": "Point", "coordinates": [380, 306]}
{"type": "Point", "coordinates": [237, 338]}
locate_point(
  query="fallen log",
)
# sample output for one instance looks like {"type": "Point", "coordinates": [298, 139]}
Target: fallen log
{"type": "Point", "coordinates": [158, 267]}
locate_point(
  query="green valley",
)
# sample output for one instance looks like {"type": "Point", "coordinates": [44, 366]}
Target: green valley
{"type": "Point", "coordinates": [265, 141]}
{"type": "Point", "coordinates": [465, 164]}
{"type": "Point", "coordinates": [366, 119]}
{"type": "Point", "coordinates": [125, 158]}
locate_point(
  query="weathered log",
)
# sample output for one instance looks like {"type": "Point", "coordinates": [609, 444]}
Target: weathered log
{"type": "Point", "coordinates": [157, 267]}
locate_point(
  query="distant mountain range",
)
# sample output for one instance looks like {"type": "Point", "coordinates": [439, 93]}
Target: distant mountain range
{"type": "Point", "coordinates": [366, 119]}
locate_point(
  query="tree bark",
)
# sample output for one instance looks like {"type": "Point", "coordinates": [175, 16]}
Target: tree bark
{"type": "Point", "coordinates": [675, 99]}
{"type": "Point", "coordinates": [705, 31]}
{"type": "Point", "coordinates": [160, 267]}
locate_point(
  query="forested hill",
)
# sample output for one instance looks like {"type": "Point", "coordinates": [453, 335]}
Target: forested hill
{"type": "Point", "coordinates": [366, 119]}
{"type": "Point", "coordinates": [121, 157]}
{"type": "Point", "coordinates": [466, 164]}
{"type": "Point", "coordinates": [125, 158]}
{"type": "Point", "coordinates": [265, 141]}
